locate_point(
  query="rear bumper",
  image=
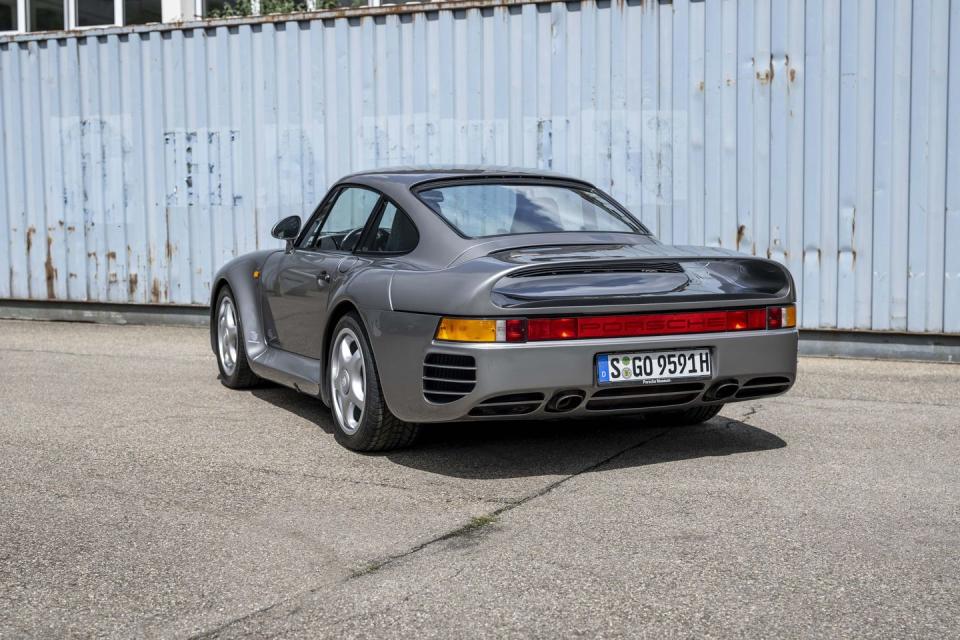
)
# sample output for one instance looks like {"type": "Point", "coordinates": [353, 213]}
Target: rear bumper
{"type": "Point", "coordinates": [402, 341]}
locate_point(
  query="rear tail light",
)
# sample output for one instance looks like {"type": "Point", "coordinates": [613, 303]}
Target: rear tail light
{"type": "Point", "coordinates": [617, 326]}
{"type": "Point", "coordinates": [781, 317]}
{"type": "Point", "coordinates": [553, 328]}
{"type": "Point", "coordinates": [467, 330]}
{"type": "Point", "coordinates": [482, 330]}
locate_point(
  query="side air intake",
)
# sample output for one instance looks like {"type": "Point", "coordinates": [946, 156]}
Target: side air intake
{"type": "Point", "coordinates": [448, 377]}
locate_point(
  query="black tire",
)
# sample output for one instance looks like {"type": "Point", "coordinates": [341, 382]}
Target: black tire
{"type": "Point", "coordinates": [696, 415]}
{"type": "Point", "coordinates": [377, 429]}
{"type": "Point", "coordinates": [240, 376]}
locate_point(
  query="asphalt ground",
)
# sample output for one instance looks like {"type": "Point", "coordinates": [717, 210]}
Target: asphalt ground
{"type": "Point", "coordinates": [139, 497]}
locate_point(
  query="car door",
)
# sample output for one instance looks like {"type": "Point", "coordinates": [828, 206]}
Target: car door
{"type": "Point", "coordinates": [298, 284]}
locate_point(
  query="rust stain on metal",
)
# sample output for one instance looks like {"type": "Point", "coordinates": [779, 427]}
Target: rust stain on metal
{"type": "Point", "coordinates": [111, 255]}
{"type": "Point", "coordinates": [170, 250]}
{"type": "Point", "coordinates": [155, 290]}
{"type": "Point", "coordinates": [31, 230]}
{"type": "Point", "coordinates": [741, 234]}
{"type": "Point", "coordinates": [132, 285]}
{"type": "Point", "coordinates": [765, 76]}
{"type": "Point", "coordinates": [700, 86]}
{"type": "Point", "coordinates": [51, 271]}
{"type": "Point", "coordinates": [792, 74]}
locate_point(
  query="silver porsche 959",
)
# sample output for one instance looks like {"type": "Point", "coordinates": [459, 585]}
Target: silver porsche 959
{"type": "Point", "coordinates": [447, 294]}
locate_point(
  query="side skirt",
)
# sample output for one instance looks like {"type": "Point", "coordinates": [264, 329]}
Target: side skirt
{"type": "Point", "coordinates": [289, 369]}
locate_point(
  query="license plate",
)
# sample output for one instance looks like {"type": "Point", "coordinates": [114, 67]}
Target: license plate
{"type": "Point", "coordinates": [653, 367]}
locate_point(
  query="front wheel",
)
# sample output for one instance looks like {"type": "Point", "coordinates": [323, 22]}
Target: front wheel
{"type": "Point", "coordinates": [363, 420]}
{"type": "Point", "coordinates": [231, 354]}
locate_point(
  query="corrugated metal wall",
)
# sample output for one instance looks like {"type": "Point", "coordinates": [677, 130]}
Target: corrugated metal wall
{"type": "Point", "coordinates": [825, 135]}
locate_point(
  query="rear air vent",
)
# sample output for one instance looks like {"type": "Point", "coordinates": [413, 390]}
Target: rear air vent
{"type": "Point", "coordinates": [649, 397]}
{"type": "Point", "coordinates": [767, 386]}
{"type": "Point", "coordinates": [512, 404]}
{"type": "Point", "coordinates": [631, 266]}
{"type": "Point", "coordinates": [448, 377]}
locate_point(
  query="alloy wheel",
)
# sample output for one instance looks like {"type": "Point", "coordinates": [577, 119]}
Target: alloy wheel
{"type": "Point", "coordinates": [348, 386]}
{"type": "Point", "coordinates": [228, 335]}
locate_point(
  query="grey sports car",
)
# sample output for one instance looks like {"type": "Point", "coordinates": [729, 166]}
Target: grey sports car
{"type": "Point", "coordinates": [446, 294]}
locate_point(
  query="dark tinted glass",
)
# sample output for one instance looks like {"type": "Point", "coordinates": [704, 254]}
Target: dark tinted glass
{"type": "Point", "coordinates": [91, 13]}
{"type": "Point", "coordinates": [46, 15]}
{"type": "Point", "coordinates": [141, 11]}
{"type": "Point", "coordinates": [395, 233]}
{"type": "Point", "coordinates": [8, 15]}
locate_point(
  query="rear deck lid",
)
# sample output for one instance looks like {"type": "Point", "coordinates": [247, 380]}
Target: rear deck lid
{"type": "Point", "coordinates": [579, 275]}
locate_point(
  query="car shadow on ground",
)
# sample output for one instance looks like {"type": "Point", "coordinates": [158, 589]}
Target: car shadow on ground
{"type": "Point", "coordinates": [297, 403]}
{"type": "Point", "coordinates": [511, 449]}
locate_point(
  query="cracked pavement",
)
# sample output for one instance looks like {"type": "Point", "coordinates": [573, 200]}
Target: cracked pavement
{"type": "Point", "coordinates": [139, 497]}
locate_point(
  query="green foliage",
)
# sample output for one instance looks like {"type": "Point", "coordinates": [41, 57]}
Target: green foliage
{"type": "Point", "coordinates": [234, 10]}
{"type": "Point", "coordinates": [282, 6]}
{"type": "Point", "coordinates": [242, 8]}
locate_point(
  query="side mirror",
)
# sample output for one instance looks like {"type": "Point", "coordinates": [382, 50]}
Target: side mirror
{"type": "Point", "coordinates": [287, 229]}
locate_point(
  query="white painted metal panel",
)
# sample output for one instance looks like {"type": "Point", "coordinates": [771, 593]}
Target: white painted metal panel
{"type": "Point", "coordinates": [135, 161]}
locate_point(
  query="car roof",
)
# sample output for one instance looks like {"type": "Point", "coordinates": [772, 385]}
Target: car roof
{"type": "Point", "coordinates": [440, 243]}
{"type": "Point", "coordinates": [411, 175]}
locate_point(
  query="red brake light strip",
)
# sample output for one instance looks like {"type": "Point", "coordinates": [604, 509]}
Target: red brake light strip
{"type": "Point", "coordinates": [652, 324]}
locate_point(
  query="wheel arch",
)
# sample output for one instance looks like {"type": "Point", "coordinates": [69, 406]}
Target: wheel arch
{"type": "Point", "coordinates": [218, 285]}
{"type": "Point", "coordinates": [340, 309]}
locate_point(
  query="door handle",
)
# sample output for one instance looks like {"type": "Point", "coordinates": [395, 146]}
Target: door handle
{"type": "Point", "coordinates": [323, 278]}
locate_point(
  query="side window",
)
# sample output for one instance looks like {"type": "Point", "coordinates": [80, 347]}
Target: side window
{"type": "Point", "coordinates": [394, 233]}
{"type": "Point", "coordinates": [343, 225]}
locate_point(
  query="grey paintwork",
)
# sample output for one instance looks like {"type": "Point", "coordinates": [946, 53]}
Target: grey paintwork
{"type": "Point", "coordinates": [401, 298]}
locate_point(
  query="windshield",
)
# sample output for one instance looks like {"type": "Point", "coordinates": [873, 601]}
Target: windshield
{"type": "Point", "coordinates": [494, 209]}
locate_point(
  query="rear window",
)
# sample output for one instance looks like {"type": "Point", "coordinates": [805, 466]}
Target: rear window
{"type": "Point", "coordinates": [495, 209]}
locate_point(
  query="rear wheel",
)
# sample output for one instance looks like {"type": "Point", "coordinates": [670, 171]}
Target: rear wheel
{"type": "Point", "coordinates": [363, 420]}
{"type": "Point", "coordinates": [696, 415]}
{"type": "Point", "coordinates": [231, 355]}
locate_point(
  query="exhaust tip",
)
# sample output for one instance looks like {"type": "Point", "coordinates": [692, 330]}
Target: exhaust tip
{"type": "Point", "coordinates": [723, 390]}
{"type": "Point", "coordinates": [563, 401]}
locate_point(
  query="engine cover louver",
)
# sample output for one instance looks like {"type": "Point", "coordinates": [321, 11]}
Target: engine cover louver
{"type": "Point", "coordinates": [623, 266]}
